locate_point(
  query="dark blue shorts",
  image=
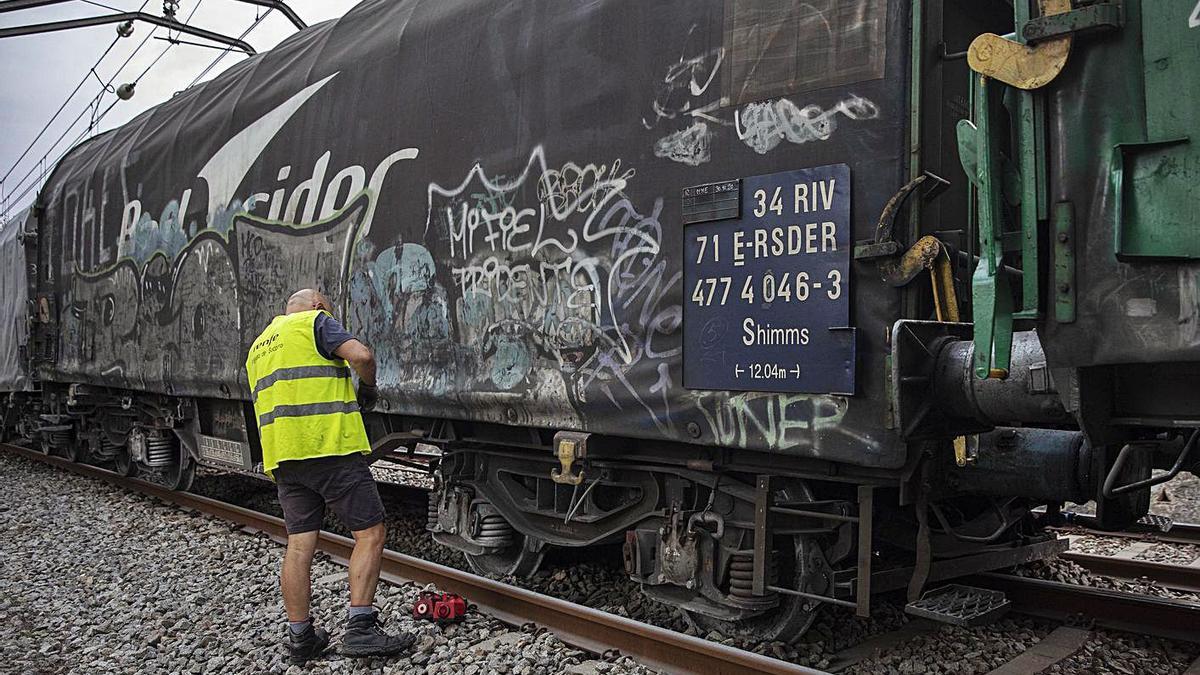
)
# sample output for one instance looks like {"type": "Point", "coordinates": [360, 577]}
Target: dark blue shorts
{"type": "Point", "coordinates": [343, 483]}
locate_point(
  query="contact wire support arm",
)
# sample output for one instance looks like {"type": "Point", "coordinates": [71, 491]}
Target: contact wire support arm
{"type": "Point", "coordinates": [282, 8]}
{"type": "Point", "coordinates": [279, 5]}
{"type": "Point", "coordinates": [71, 24]}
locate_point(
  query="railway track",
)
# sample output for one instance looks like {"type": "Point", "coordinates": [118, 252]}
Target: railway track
{"type": "Point", "coordinates": [1179, 533]}
{"type": "Point", "coordinates": [599, 632]}
{"type": "Point", "coordinates": [1175, 577]}
{"type": "Point", "coordinates": [581, 627]}
{"type": "Point", "coordinates": [1087, 605]}
{"type": "Point", "coordinates": [1125, 563]}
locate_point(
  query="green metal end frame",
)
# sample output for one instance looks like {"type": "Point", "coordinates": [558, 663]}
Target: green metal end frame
{"type": "Point", "coordinates": [1154, 167]}
{"type": "Point", "coordinates": [1022, 181]}
{"type": "Point", "coordinates": [1155, 176]}
{"type": "Point", "coordinates": [992, 303]}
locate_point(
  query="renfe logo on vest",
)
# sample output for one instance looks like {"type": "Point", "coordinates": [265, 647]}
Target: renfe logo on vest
{"type": "Point", "coordinates": [264, 347]}
{"type": "Point", "coordinates": [261, 344]}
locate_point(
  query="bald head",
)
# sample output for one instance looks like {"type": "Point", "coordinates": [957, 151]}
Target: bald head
{"type": "Point", "coordinates": [306, 299]}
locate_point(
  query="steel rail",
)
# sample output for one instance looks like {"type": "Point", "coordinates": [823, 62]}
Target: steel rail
{"type": "Point", "coordinates": [1180, 533]}
{"type": "Point", "coordinates": [1148, 615]}
{"type": "Point", "coordinates": [1179, 577]}
{"type": "Point", "coordinates": [576, 625]}
{"type": "Point", "coordinates": [596, 632]}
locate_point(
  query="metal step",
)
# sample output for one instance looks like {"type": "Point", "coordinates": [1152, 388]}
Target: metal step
{"type": "Point", "coordinates": [960, 605]}
{"type": "Point", "coordinates": [1163, 523]}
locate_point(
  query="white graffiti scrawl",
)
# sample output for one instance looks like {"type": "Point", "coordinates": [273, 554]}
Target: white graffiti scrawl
{"type": "Point", "coordinates": [684, 94]}
{"type": "Point", "coordinates": [692, 146]}
{"type": "Point", "coordinates": [687, 94]}
{"type": "Point", "coordinates": [686, 81]}
{"type": "Point", "coordinates": [763, 126]}
{"type": "Point", "coordinates": [550, 285]}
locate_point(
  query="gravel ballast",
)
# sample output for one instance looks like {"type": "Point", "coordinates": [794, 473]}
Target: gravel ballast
{"type": "Point", "coordinates": [180, 557]}
{"type": "Point", "coordinates": [94, 579]}
{"type": "Point", "coordinates": [1162, 552]}
{"type": "Point", "coordinates": [1178, 499]}
{"type": "Point", "coordinates": [596, 579]}
{"type": "Point", "coordinates": [1067, 572]}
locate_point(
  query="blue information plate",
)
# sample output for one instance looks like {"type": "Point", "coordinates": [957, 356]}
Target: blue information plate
{"type": "Point", "coordinates": [768, 293]}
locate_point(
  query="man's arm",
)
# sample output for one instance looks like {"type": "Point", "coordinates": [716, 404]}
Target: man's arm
{"type": "Point", "coordinates": [360, 358]}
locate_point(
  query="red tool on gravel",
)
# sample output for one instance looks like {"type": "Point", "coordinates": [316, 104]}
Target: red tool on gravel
{"type": "Point", "coordinates": [440, 607]}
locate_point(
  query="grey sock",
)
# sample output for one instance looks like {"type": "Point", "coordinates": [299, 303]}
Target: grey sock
{"type": "Point", "coordinates": [298, 627]}
{"type": "Point", "coordinates": [360, 611]}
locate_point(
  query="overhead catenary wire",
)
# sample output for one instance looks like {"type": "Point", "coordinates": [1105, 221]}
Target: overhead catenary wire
{"type": "Point", "coordinates": [226, 51]}
{"type": "Point", "coordinates": [91, 71]}
{"type": "Point", "coordinates": [42, 162]}
{"type": "Point", "coordinates": [92, 107]}
{"type": "Point", "coordinates": [109, 7]}
{"type": "Point", "coordinates": [31, 186]}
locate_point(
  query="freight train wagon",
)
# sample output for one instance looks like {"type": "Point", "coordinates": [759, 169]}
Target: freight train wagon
{"type": "Point", "coordinates": [14, 331]}
{"type": "Point", "coordinates": [795, 302]}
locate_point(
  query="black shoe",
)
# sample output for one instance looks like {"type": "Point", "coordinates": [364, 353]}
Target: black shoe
{"type": "Point", "coordinates": [364, 637]}
{"type": "Point", "coordinates": [307, 645]}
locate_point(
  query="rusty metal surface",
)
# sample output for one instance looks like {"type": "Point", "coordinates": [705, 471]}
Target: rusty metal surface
{"type": "Point", "coordinates": [1180, 577]}
{"type": "Point", "coordinates": [1143, 614]}
{"type": "Point", "coordinates": [576, 625]}
{"type": "Point", "coordinates": [917, 259]}
{"type": "Point", "coordinates": [1022, 66]}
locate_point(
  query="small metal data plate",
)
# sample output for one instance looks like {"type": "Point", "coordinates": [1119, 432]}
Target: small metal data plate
{"type": "Point", "coordinates": [224, 451]}
{"type": "Point", "coordinates": [767, 294]}
{"type": "Point", "coordinates": [713, 201]}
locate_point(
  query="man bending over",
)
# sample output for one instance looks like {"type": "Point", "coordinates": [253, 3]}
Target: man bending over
{"type": "Point", "coordinates": [313, 442]}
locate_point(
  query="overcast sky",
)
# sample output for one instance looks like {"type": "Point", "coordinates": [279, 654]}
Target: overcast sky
{"type": "Point", "coordinates": [37, 72]}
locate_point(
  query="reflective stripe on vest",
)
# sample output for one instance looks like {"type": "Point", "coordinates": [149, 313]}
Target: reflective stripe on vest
{"type": "Point", "coordinates": [306, 409]}
{"type": "Point", "coordinates": [305, 403]}
{"type": "Point", "coordinates": [299, 373]}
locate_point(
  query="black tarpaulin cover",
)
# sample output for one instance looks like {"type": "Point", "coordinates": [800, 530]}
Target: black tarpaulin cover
{"type": "Point", "coordinates": [490, 191]}
{"type": "Point", "coordinates": [13, 303]}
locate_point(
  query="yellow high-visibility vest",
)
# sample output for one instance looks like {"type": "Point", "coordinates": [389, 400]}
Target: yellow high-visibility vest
{"type": "Point", "coordinates": [304, 402]}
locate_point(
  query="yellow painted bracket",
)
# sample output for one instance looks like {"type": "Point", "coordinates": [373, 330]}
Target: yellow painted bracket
{"type": "Point", "coordinates": [568, 450]}
{"type": "Point", "coordinates": [945, 298]}
{"type": "Point", "coordinates": [1020, 65]}
{"type": "Point", "coordinates": [927, 254]}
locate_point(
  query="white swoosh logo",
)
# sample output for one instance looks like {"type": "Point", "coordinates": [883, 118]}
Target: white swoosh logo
{"type": "Point", "coordinates": [226, 169]}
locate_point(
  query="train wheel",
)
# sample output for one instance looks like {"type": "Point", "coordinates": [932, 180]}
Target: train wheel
{"type": "Point", "coordinates": [180, 474]}
{"type": "Point", "coordinates": [26, 434]}
{"type": "Point", "coordinates": [61, 442]}
{"type": "Point", "coordinates": [123, 463]}
{"type": "Point", "coordinates": [794, 615]}
{"type": "Point", "coordinates": [74, 451]}
{"type": "Point", "coordinates": [521, 559]}
{"type": "Point", "coordinates": [805, 570]}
